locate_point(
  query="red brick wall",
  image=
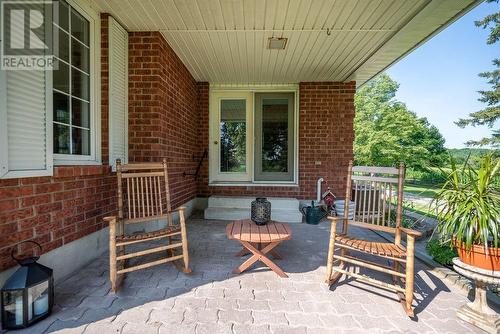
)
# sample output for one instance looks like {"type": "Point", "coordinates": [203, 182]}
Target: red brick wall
{"type": "Point", "coordinates": [54, 211]}
{"type": "Point", "coordinates": [163, 114]}
{"type": "Point", "coordinates": [326, 115]}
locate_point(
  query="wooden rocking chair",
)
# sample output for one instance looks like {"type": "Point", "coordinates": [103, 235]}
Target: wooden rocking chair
{"type": "Point", "coordinates": [371, 189]}
{"type": "Point", "coordinates": [143, 195]}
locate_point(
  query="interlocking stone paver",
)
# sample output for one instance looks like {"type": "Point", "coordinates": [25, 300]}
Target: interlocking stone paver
{"type": "Point", "coordinates": [68, 300]}
{"type": "Point", "coordinates": [92, 315]}
{"type": "Point", "coordinates": [317, 306]}
{"type": "Point", "coordinates": [183, 302]}
{"type": "Point", "coordinates": [136, 315]}
{"type": "Point", "coordinates": [374, 322]}
{"type": "Point", "coordinates": [250, 329]}
{"type": "Point", "coordinates": [170, 317]}
{"type": "Point", "coordinates": [209, 292]}
{"type": "Point", "coordinates": [221, 304]}
{"type": "Point", "coordinates": [235, 316]}
{"type": "Point", "coordinates": [269, 318]}
{"type": "Point", "coordinates": [101, 328]}
{"type": "Point", "coordinates": [177, 329]}
{"type": "Point", "coordinates": [350, 309]}
{"type": "Point", "coordinates": [214, 300]}
{"type": "Point", "coordinates": [338, 321]}
{"type": "Point", "coordinates": [288, 330]}
{"type": "Point", "coordinates": [239, 293]}
{"type": "Point", "coordinates": [70, 327]}
{"type": "Point", "coordinates": [128, 302]}
{"type": "Point", "coordinates": [132, 328]}
{"type": "Point", "coordinates": [306, 319]}
{"type": "Point", "coordinates": [98, 302]}
{"type": "Point", "coordinates": [200, 315]}
{"type": "Point", "coordinates": [256, 305]}
{"type": "Point", "coordinates": [214, 329]}
{"type": "Point", "coordinates": [176, 291]}
{"type": "Point", "coordinates": [269, 295]}
{"type": "Point", "coordinates": [407, 325]}
{"type": "Point", "coordinates": [285, 306]}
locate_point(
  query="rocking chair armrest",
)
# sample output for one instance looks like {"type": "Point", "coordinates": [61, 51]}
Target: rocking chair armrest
{"type": "Point", "coordinates": [335, 219]}
{"type": "Point", "coordinates": [181, 208]}
{"type": "Point", "coordinates": [409, 231]}
{"type": "Point", "coordinates": [111, 219]}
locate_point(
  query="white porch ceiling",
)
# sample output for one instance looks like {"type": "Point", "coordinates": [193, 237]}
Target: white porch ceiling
{"type": "Point", "coordinates": [225, 41]}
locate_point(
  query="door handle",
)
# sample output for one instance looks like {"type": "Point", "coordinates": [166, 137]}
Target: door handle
{"type": "Point", "coordinates": [215, 142]}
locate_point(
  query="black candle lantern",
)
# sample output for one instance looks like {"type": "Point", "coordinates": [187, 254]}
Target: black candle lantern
{"type": "Point", "coordinates": [260, 211]}
{"type": "Point", "coordinates": [28, 295]}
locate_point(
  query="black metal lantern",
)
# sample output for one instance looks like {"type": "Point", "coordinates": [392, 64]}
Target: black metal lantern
{"type": "Point", "coordinates": [28, 295]}
{"type": "Point", "coordinates": [261, 211]}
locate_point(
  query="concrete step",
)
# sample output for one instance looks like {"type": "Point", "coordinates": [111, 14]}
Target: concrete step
{"type": "Point", "coordinates": [245, 202]}
{"type": "Point", "coordinates": [232, 208]}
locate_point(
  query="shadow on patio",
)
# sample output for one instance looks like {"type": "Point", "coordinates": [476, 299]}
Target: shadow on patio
{"type": "Point", "coordinates": [213, 300]}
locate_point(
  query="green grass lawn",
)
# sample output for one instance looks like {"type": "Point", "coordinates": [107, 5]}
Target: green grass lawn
{"type": "Point", "coordinates": [421, 208]}
{"type": "Point", "coordinates": [422, 190]}
{"type": "Point", "coordinates": [428, 191]}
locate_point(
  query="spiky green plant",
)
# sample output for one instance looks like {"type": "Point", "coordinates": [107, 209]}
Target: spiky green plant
{"type": "Point", "coordinates": [468, 204]}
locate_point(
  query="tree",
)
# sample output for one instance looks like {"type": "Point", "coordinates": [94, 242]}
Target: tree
{"type": "Point", "coordinates": [386, 132]}
{"type": "Point", "coordinates": [491, 113]}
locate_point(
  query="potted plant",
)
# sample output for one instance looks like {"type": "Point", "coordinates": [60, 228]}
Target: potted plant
{"type": "Point", "coordinates": [468, 212]}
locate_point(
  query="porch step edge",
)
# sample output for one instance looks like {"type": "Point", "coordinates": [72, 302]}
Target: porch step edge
{"type": "Point", "coordinates": [223, 213]}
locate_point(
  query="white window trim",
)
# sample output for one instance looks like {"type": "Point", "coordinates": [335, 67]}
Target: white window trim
{"type": "Point", "coordinates": [213, 117]}
{"type": "Point", "coordinates": [95, 91]}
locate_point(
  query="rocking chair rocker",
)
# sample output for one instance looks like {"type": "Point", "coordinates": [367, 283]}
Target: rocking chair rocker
{"type": "Point", "coordinates": [145, 188]}
{"type": "Point", "coordinates": [373, 202]}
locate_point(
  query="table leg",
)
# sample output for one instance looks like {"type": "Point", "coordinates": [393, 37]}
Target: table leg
{"type": "Point", "coordinates": [259, 255]}
{"type": "Point", "coordinates": [245, 251]}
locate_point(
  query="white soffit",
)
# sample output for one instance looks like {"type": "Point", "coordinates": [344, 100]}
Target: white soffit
{"type": "Point", "coordinates": [225, 41]}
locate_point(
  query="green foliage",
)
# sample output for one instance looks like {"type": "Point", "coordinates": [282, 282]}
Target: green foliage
{"type": "Point", "coordinates": [386, 132]}
{"type": "Point", "coordinates": [468, 205]}
{"type": "Point", "coordinates": [473, 155]}
{"type": "Point", "coordinates": [426, 175]}
{"type": "Point", "coordinates": [491, 113]}
{"type": "Point", "coordinates": [441, 253]}
{"type": "Point", "coordinates": [406, 221]}
{"type": "Point", "coordinates": [233, 146]}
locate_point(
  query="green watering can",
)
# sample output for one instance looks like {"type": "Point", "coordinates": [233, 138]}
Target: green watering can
{"type": "Point", "coordinates": [313, 214]}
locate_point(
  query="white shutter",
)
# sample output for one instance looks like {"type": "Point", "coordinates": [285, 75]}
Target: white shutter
{"type": "Point", "coordinates": [118, 93]}
{"type": "Point", "coordinates": [25, 123]}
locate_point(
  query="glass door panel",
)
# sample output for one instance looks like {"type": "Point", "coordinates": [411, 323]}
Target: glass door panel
{"type": "Point", "coordinates": [233, 136]}
{"type": "Point", "coordinates": [274, 136]}
{"type": "Point", "coordinates": [230, 153]}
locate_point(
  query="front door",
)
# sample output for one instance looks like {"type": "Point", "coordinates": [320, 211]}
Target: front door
{"type": "Point", "coordinates": [231, 136]}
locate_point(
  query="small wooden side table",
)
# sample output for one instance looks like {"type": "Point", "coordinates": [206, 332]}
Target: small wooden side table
{"type": "Point", "coordinates": [478, 312]}
{"type": "Point", "coordinates": [259, 241]}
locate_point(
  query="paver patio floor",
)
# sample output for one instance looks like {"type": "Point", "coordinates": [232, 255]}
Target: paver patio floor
{"type": "Point", "coordinates": [213, 300]}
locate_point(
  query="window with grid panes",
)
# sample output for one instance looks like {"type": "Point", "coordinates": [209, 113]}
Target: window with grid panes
{"type": "Point", "coordinates": [71, 84]}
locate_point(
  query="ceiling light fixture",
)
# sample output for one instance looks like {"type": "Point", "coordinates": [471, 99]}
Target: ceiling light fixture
{"type": "Point", "coordinates": [277, 43]}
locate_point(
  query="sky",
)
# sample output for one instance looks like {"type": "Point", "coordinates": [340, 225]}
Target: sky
{"type": "Point", "coordinates": [439, 80]}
